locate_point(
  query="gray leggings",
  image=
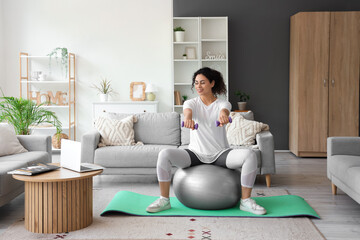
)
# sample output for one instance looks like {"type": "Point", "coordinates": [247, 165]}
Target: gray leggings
{"type": "Point", "coordinates": [232, 159]}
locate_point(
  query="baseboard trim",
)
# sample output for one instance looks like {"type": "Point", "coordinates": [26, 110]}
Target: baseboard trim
{"type": "Point", "coordinates": [281, 150]}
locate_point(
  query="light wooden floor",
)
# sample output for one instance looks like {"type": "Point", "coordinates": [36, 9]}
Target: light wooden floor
{"type": "Point", "coordinates": [306, 177]}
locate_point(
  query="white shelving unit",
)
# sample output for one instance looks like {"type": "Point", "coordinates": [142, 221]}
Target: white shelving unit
{"type": "Point", "coordinates": [209, 37]}
{"type": "Point", "coordinates": [58, 79]}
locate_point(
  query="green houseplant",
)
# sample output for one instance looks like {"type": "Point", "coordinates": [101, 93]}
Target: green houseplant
{"type": "Point", "coordinates": [104, 89]}
{"type": "Point", "coordinates": [243, 98]}
{"type": "Point", "coordinates": [24, 113]}
{"type": "Point", "coordinates": [179, 34]}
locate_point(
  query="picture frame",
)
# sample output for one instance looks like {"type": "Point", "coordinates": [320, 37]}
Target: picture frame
{"type": "Point", "coordinates": [137, 91]}
{"type": "Point", "coordinates": [190, 52]}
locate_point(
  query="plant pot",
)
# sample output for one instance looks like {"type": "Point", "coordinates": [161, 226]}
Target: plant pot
{"type": "Point", "coordinates": [179, 36]}
{"type": "Point", "coordinates": [242, 106]}
{"type": "Point", "coordinates": [56, 140]}
{"type": "Point", "coordinates": [104, 97]}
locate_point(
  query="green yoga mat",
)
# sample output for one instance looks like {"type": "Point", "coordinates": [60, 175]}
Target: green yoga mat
{"type": "Point", "coordinates": [276, 206]}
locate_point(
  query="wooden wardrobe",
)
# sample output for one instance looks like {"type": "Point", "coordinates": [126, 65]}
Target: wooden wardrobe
{"type": "Point", "coordinates": [324, 79]}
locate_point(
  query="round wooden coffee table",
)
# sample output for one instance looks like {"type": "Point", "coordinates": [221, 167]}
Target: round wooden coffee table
{"type": "Point", "coordinates": [58, 201]}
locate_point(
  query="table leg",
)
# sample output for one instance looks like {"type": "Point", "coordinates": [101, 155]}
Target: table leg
{"type": "Point", "coordinates": [55, 207]}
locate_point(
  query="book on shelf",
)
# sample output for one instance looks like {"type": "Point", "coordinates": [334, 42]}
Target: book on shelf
{"type": "Point", "coordinates": [34, 169]}
{"type": "Point", "coordinates": [177, 98]}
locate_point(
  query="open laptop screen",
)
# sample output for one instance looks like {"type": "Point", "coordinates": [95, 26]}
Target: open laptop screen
{"type": "Point", "coordinates": [70, 156]}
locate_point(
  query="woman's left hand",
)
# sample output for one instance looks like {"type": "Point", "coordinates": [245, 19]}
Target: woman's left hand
{"type": "Point", "coordinates": [223, 118]}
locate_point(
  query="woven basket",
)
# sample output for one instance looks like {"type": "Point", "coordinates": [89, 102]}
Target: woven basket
{"type": "Point", "coordinates": [56, 140]}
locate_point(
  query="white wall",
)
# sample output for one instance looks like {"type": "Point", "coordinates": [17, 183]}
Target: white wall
{"type": "Point", "coordinates": [122, 40]}
{"type": "Point", "coordinates": [2, 80]}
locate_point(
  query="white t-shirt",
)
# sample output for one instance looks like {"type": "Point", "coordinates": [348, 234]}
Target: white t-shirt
{"type": "Point", "coordinates": [208, 141]}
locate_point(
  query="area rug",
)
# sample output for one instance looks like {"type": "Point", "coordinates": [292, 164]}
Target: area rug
{"type": "Point", "coordinates": [276, 206]}
{"type": "Point", "coordinates": [209, 228]}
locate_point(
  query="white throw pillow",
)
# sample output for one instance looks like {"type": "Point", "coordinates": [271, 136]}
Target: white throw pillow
{"type": "Point", "coordinates": [116, 132]}
{"type": "Point", "coordinates": [242, 131]}
{"type": "Point", "coordinates": [9, 144]}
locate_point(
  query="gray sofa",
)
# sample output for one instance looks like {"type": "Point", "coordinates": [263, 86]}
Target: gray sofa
{"type": "Point", "coordinates": [39, 148]}
{"type": "Point", "coordinates": [160, 131]}
{"type": "Point", "coordinates": [343, 165]}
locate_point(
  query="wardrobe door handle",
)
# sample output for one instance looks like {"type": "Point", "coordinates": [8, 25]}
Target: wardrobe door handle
{"type": "Point", "coordinates": [324, 82]}
{"type": "Point", "coordinates": [333, 82]}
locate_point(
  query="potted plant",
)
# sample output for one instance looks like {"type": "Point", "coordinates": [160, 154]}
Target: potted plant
{"type": "Point", "coordinates": [179, 34]}
{"type": "Point", "coordinates": [23, 114]}
{"type": "Point", "coordinates": [104, 89]}
{"type": "Point", "coordinates": [184, 56]}
{"type": "Point", "coordinates": [185, 97]}
{"type": "Point", "coordinates": [243, 98]}
{"type": "Point", "coordinates": [60, 53]}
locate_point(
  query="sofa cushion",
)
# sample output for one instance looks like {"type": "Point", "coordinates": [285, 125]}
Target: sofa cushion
{"type": "Point", "coordinates": [27, 158]}
{"type": "Point", "coordinates": [7, 182]}
{"type": "Point", "coordinates": [242, 131]}
{"type": "Point", "coordinates": [129, 156]}
{"type": "Point", "coordinates": [9, 144]}
{"type": "Point", "coordinates": [155, 128]}
{"type": "Point", "coordinates": [185, 132]}
{"type": "Point", "coordinates": [115, 132]}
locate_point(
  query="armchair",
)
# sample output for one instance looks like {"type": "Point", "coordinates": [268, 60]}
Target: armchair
{"type": "Point", "coordinates": [343, 165]}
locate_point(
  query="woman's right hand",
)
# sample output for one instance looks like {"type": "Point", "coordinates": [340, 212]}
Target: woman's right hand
{"type": "Point", "coordinates": [189, 123]}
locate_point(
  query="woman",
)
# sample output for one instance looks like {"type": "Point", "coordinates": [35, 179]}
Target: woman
{"type": "Point", "coordinates": [208, 144]}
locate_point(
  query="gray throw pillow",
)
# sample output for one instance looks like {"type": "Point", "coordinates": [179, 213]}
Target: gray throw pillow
{"type": "Point", "coordinates": [9, 144]}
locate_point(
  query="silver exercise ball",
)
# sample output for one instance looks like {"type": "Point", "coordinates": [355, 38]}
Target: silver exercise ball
{"type": "Point", "coordinates": [207, 187]}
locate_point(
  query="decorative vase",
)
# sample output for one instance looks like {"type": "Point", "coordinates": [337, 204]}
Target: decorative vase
{"type": "Point", "coordinates": [179, 36]}
{"type": "Point", "coordinates": [104, 97]}
{"type": "Point", "coordinates": [151, 96]}
{"type": "Point", "coordinates": [56, 140]}
{"type": "Point", "coordinates": [242, 106]}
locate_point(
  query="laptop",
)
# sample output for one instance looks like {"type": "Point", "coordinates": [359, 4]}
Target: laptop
{"type": "Point", "coordinates": [70, 157]}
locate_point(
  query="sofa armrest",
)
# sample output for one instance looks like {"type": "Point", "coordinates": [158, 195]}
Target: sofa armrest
{"type": "Point", "coordinates": [36, 143]}
{"type": "Point", "coordinates": [343, 146]}
{"type": "Point", "coordinates": [89, 142]}
{"type": "Point", "coordinates": [265, 141]}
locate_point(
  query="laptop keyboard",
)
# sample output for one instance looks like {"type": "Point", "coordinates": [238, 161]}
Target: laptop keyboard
{"type": "Point", "coordinates": [84, 168]}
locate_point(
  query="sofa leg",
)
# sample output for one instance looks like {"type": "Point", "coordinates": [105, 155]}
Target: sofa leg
{"type": "Point", "coordinates": [333, 188]}
{"type": "Point", "coordinates": [268, 180]}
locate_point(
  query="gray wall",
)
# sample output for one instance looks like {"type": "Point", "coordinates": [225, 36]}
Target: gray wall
{"type": "Point", "coordinates": [259, 34]}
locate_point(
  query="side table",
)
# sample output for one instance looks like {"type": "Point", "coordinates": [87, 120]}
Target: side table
{"type": "Point", "coordinates": [58, 201]}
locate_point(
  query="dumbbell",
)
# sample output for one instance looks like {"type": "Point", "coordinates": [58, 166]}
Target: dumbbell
{"type": "Point", "coordinates": [217, 123]}
{"type": "Point", "coordinates": [196, 125]}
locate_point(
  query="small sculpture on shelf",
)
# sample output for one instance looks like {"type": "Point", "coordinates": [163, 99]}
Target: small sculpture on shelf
{"type": "Point", "coordinates": [210, 56]}
{"type": "Point", "coordinates": [59, 98]}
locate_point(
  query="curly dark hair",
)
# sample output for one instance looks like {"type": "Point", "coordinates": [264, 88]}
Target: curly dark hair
{"type": "Point", "coordinates": [213, 75]}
